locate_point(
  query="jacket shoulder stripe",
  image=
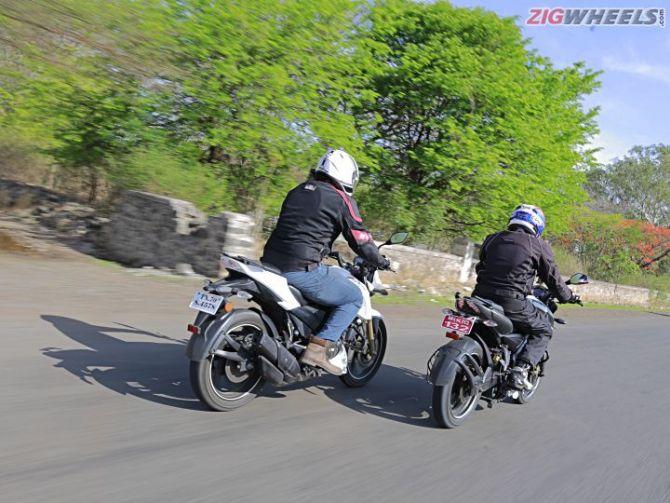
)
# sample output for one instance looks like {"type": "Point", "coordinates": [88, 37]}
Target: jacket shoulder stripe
{"type": "Point", "coordinates": [347, 201]}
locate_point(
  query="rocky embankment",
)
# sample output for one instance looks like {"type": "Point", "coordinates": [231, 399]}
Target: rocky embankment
{"type": "Point", "coordinates": [36, 219]}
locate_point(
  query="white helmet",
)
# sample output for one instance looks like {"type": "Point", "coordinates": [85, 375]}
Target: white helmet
{"type": "Point", "coordinates": [341, 168]}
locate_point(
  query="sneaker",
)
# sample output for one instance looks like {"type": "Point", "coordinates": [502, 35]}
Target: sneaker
{"type": "Point", "coordinates": [519, 377]}
{"type": "Point", "coordinates": [328, 355]}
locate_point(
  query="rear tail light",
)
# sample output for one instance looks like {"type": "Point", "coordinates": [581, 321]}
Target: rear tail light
{"type": "Point", "coordinates": [453, 335]}
{"type": "Point", "coordinates": [195, 330]}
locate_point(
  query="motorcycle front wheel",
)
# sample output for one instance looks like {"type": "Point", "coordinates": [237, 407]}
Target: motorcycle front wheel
{"type": "Point", "coordinates": [454, 401]}
{"type": "Point", "coordinates": [223, 384]}
{"type": "Point", "coordinates": [363, 366]}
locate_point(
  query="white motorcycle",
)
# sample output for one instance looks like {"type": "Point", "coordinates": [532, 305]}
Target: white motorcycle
{"type": "Point", "coordinates": [233, 352]}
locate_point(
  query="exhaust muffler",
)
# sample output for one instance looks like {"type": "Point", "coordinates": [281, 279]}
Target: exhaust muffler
{"type": "Point", "coordinates": [278, 357]}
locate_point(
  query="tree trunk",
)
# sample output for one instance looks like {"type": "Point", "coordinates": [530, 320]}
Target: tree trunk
{"type": "Point", "coordinates": [93, 185]}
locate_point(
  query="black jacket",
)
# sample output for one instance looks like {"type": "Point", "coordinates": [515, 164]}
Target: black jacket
{"type": "Point", "coordinates": [312, 216]}
{"type": "Point", "coordinates": [509, 261]}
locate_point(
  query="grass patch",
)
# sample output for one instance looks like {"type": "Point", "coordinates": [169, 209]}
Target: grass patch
{"type": "Point", "coordinates": [110, 264]}
{"type": "Point", "coordinates": [413, 298]}
{"type": "Point", "coordinates": [394, 298]}
{"type": "Point", "coordinates": [607, 307]}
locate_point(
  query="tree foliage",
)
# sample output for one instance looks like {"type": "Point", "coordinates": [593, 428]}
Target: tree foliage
{"type": "Point", "coordinates": [265, 88]}
{"type": "Point", "coordinates": [452, 118]}
{"type": "Point", "coordinates": [637, 185]}
{"type": "Point", "coordinates": [612, 247]}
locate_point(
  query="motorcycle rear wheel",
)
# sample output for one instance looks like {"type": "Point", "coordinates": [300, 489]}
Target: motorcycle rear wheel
{"type": "Point", "coordinates": [220, 383]}
{"type": "Point", "coordinates": [454, 401]}
{"type": "Point", "coordinates": [363, 367]}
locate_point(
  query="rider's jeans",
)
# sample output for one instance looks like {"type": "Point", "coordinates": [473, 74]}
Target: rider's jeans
{"type": "Point", "coordinates": [330, 286]}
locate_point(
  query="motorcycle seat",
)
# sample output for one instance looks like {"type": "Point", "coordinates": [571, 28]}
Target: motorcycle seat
{"type": "Point", "coordinates": [255, 263]}
{"type": "Point", "coordinates": [489, 310]}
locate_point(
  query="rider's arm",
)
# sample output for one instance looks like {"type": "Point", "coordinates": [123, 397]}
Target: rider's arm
{"type": "Point", "coordinates": [358, 237]}
{"type": "Point", "coordinates": [548, 272]}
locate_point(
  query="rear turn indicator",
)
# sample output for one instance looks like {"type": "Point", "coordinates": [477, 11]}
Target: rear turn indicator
{"type": "Point", "coordinates": [193, 329]}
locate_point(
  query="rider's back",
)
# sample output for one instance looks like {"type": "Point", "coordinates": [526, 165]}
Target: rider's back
{"type": "Point", "coordinates": [510, 261]}
{"type": "Point", "coordinates": [309, 222]}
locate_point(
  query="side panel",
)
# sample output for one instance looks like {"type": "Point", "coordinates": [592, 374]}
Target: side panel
{"type": "Point", "coordinates": [274, 282]}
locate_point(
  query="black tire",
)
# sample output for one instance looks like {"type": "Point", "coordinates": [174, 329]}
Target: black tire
{"type": "Point", "coordinates": [218, 382]}
{"type": "Point", "coordinates": [362, 368]}
{"type": "Point", "coordinates": [527, 395]}
{"type": "Point", "coordinates": [454, 401]}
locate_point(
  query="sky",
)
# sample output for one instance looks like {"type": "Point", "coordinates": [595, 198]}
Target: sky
{"type": "Point", "coordinates": [634, 97]}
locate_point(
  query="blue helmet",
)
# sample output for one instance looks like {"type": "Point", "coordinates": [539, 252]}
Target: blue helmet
{"type": "Point", "coordinates": [529, 216]}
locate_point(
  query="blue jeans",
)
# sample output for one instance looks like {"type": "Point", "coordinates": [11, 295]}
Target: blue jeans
{"type": "Point", "coordinates": [330, 286]}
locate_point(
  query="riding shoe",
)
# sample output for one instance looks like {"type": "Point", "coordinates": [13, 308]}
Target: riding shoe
{"type": "Point", "coordinates": [325, 354]}
{"type": "Point", "coordinates": [519, 377]}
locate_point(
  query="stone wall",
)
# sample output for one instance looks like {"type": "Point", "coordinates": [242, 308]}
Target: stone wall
{"type": "Point", "coordinates": [425, 269]}
{"type": "Point", "coordinates": [150, 230]}
{"type": "Point", "coordinates": [610, 293]}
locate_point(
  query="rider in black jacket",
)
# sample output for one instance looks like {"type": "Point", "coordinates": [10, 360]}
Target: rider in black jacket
{"type": "Point", "coordinates": [508, 263]}
{"type": "Point", "coordinates": [312, 216]}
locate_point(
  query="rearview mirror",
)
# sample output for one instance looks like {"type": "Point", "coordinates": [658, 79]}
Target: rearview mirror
{"type": "Point", "coordinates": [396, 239]}
{"type": "Point", "coordinates": [578, 279]}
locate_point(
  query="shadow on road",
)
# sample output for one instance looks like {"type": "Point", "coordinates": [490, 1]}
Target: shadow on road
{"type": "Point", "coordinates": [158, 372]}
{"type": "Point", "coordinates": [155, 371]}
{"type": "Point", "coordinates": [395, 393]}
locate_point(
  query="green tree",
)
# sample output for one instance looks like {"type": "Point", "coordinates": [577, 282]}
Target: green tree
{"type": "Point", "coordinates": [464, 122]}
{"type": "Point", "coordinates": [266, 86]}
{"type": "Point", "coordinates": [453, 120]}
{"type": "Point", "coordinates": [637, 185]}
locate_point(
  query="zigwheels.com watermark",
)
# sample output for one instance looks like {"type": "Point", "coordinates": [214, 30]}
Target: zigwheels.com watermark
{"type": "Point", "coordinates": [598, 16]}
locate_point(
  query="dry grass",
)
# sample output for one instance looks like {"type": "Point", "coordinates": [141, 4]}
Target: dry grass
{"type": "Point", "coordinates": [11, 245]}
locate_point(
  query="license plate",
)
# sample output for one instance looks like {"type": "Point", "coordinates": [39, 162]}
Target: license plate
{"type": "Point", "coordinates": [206, 302]}
{"type": "Point", "coordinates": [458, 324]}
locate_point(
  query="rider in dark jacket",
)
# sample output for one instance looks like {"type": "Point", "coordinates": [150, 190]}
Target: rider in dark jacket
{"type": "Point", "coordinates": [509, 261]}
{"type": "Point", "coordinates": [313, 215]}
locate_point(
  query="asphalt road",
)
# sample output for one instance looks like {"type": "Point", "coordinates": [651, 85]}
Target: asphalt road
{"type": "Point", "coordinates": [96, 406]}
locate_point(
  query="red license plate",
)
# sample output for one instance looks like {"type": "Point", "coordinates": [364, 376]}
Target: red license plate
{"type": "Point", "coordinates": [458, 324]}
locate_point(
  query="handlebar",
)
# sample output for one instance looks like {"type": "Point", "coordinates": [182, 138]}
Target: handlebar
{"type": "Point", "coordinates": [547, 297]}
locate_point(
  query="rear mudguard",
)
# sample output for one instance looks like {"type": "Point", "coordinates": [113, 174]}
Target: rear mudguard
{"type": "Point", "coordinates": [448, 359]}
{"type": "Point", "coordinates": [201, 345]}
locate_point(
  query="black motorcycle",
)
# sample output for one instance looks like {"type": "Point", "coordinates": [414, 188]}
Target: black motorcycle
{"type": "Point", "coordinates": [477, 363]}
{"type": "Point", "coordinates": [234, 351]}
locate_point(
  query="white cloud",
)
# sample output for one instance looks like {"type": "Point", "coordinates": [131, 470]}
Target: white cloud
{"type": "Point", "coordinates": [657, 72]}
{"type": "Point", "coordinates": [613, 146]}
